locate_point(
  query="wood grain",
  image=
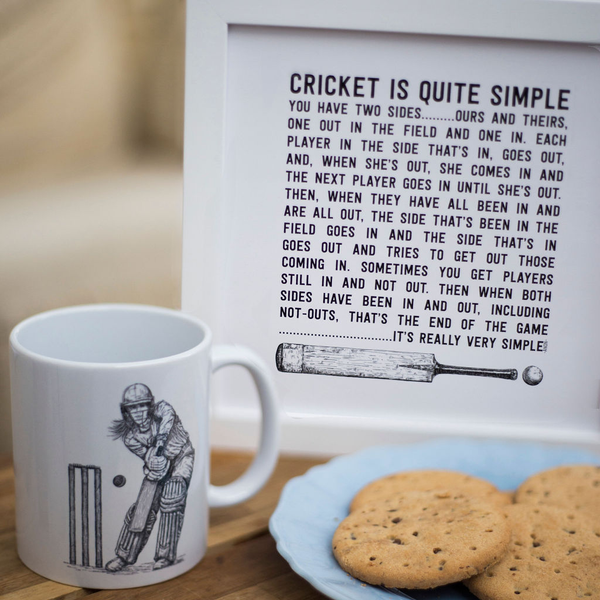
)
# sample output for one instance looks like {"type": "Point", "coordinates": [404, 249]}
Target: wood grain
{"type": "Point", "coordinates": [242, 561]}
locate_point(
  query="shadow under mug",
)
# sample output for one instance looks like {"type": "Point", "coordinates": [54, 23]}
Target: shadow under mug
{"type": "Point", "coordinates": [111, 442]}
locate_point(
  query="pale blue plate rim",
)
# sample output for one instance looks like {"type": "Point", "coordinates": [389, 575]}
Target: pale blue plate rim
{"type": "Point", "coordinates": [312, 505]}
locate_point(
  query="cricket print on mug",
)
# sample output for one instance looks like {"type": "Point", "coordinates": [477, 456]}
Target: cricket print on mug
{"type": "Point", "coordinates": [153, 431]}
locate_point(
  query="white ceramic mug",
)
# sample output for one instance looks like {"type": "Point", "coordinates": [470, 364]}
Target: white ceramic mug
{"type": "Point", "coordinates": [111, 450]}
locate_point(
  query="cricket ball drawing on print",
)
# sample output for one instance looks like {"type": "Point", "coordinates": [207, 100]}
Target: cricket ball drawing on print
{"type": "Point", "coordinates": [382, 364]}
{"type": "Point", "coordinates": [152, 431]}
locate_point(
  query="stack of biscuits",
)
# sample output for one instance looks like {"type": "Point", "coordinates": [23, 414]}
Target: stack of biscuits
{"type": "Point", "coordinates": [428, 528]}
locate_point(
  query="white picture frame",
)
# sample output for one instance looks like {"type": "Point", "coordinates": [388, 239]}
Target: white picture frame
{"type": "Point", "coordinates": [209, 26]}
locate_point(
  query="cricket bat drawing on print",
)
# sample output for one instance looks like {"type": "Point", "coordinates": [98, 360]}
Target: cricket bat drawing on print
{"type": "Point", "coordinates": [378, 364]}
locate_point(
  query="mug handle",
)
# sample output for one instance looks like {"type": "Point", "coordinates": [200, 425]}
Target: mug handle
{"type": "Point", "coordinates": [260, 469]}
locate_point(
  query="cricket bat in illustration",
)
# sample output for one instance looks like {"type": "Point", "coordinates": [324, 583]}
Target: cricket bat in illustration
{"type": "Point", "coordinates": [144, 502]}
{"type": "Point", "coordinates": [376, 364]}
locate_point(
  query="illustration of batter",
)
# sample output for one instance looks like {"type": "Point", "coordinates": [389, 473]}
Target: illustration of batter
{"type": "Point", "coordinates": [153, 431]}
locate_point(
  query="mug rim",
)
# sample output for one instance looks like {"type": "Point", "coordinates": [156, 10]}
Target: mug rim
{"type": "Point", "coordinates": [19, 348]}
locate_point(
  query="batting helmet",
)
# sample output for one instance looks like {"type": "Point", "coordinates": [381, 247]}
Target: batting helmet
{"type": "Point", "coordinates": [137, 393]}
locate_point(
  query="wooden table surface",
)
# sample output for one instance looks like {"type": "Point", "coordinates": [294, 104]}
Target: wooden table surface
{"type": "Point", "coordinates": [242, 562]}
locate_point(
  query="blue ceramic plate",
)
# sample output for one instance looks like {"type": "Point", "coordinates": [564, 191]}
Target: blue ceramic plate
{"type": "Point", "coordinates": [312, 506]}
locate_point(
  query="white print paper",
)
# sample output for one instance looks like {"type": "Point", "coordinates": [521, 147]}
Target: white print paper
{"type": "Point", "coordinates": [395, 203]}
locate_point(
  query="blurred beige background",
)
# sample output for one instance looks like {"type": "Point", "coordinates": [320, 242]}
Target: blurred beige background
{"type": "Point", "coordinates": [91, 128]}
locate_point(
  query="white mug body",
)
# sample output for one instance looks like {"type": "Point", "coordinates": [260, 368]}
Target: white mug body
{"type": "Point", "coordinates": [111, 446]}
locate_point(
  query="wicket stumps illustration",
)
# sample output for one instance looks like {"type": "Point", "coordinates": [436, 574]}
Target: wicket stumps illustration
{"type": "Point", "coordinates": [85, 471]}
